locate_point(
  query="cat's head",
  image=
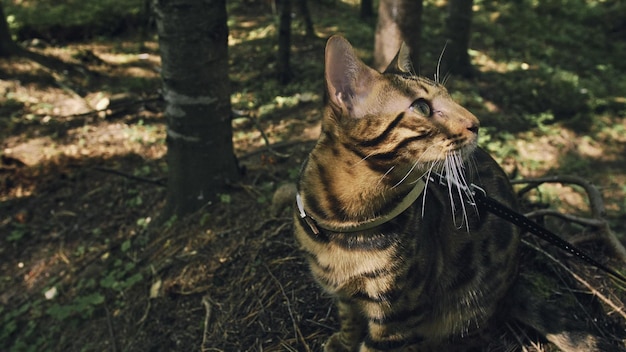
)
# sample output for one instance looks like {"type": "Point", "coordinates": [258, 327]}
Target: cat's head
{"type": "Point", "coordinates": [393, 117]}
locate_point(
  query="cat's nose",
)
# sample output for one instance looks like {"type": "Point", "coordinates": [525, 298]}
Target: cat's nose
{"type": "Point", "coordinates": [473, 128]}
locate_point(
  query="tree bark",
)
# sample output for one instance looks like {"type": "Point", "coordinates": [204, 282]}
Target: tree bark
{"type": "Point", "coordinates": [456, 58]}
{"type": "Point", "coordinates": [7, 45]}
{"type": "Point", "coordinates": [193, 41]}
{"type": "Point", "coordinates": [398, 21]}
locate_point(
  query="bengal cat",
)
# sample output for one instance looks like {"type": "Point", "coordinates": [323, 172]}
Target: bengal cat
{"type": "Point", "coordinates": [412, 265]}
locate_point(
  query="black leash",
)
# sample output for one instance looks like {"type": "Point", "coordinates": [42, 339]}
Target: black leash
{"type": "Point", "coordinates": [508, 214]}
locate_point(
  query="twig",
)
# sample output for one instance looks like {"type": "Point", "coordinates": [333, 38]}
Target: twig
{"type": "Point", "coordinates": [267, 141]}
{"type": "Point", "coordinates": [568, 217]}
{"type": "Point", "coordinates": [255, 121]}
{"type": "Point", "coordinates": [145, 313]}
{"type": "Point", "coordinates": [325, 326]}
{"type": "Point", "coordinates": [117, 106]}
{"type": "Point", "coordinates": [207, 317]}
{"type": "Point", "coordinates": [583, 237]}
{"type": "Point", "coordinates": [287, 347]}
{"type": "Point", "coordinates": [517, 337]}
{"type": "Point", "coordinates": [593, 291]}
{"type": "Point", "coordinates": [44, 62]}
{"type": "Point", "coordinates": [299, 335]}
{"type": "Point", "coordinates": [110, 326]}
{"type": "Point", "coordinates": [276, 145]}
{"type": "Point", "coordinates": [149, 305]}
{"type": "Point", "coordinates": [129, 176]}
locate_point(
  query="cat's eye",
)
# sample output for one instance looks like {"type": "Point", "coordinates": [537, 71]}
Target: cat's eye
{"type": "Point", "coordinates": [421, 107]}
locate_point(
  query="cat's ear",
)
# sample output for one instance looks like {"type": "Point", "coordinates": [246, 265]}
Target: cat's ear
{"type": "Point", "coordinates": [348, 79]}
{"type": "Point", "coordinates": [401, 63]}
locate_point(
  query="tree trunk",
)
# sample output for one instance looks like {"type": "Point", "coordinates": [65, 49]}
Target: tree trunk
{"type": "Point", "coordinates": [367, 9]}
{"type": "Point", "coordinates": [284, 43]}
{"type": "Point", "coordinates": [193, 40]}
{"type": "Point", "coordinates": [398, 21]}
{"type": "Point", "coordinates": [306, 17]}
{"type": "Point", "coordinates": [7, 45]}
{"type": "Point", "coordinates": [456, 58]}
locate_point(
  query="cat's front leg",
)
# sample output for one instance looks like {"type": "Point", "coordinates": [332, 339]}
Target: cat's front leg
{"type": "Point", "coordinates": [396, 337]}
{"type": "Point", "coordinates": [353, 329]}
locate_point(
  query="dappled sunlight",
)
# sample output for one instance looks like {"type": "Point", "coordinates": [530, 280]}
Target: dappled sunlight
{"type": "Point", "coordinates": [39, 96]}
{"type": "Point", "coordinates": [242, 32]}
{"type": "Point", "coordinates": [51, 97]}
{"type": "Point", "coordinates": [32, 151]}
{"type": "Point", "coordinates": [565, 198]}
{"type": "Point", "coordinates": [485, 63]}
{"type": "Point", "coordinates": [95, 140]}
{"type": "Point", "coordinates": [538, 153]}
{"type": "Point", "coordinates": [18, 66]}
{"type": "Point", "coordinates": [56, 122]}
{"type": "Point", "coordinates": [278, 127]}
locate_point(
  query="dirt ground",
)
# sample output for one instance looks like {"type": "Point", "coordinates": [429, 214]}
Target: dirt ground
{"type": "Point", "coordinates": [82, 181]}
{"type": "Point", "coordinates": [83, 269]}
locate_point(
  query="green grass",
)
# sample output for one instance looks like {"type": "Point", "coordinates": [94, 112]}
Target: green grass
{"type": "Point", "coordinates": [49, 18]}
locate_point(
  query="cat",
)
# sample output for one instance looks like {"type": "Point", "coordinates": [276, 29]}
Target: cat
{"type": "Point", "coordinates": [412, 265]}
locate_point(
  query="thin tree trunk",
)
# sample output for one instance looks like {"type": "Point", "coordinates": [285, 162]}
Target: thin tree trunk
{"type": "Point", "coordinates": [398, 21]}
{"type": "Point", "coordinates": [306, 17]}
{"type": "Point", "coordinates": [367, 9]}
{"type": "Point", "coordinates": [7, 45]}
{"type": "Point", "coordinates": [284, 43]}
{"type": "Point", "coordinates": [193, 40]}
{"type": "Point", "coordinates": [458, 29]}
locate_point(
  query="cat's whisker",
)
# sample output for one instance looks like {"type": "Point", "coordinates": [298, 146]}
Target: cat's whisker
{"type": "Point", "coordinates": [455, 177]}
{"type": "Point", "coordinates": [438, 72]}
{"type": "Point", "coordinates": [473, 167]}
{"type": "Point", "coordinates": [406, 175]}
{"type": "Point", "coordinates": [417, 162]}
{"type": "Point", "coordinates": [446, 78]}
{"type": "Point", "coordinates": [471, 162]}
{"type": "Point", "coordinates": [380, 180]}
{"type": "Point", "coordinates": [450, 179]}
{"type": "Point", "coordinates": [463, 190]}
{"type": "Point", "coordinates": [428, 173]}
{"type": "Point", "coordinates": [364, 158]}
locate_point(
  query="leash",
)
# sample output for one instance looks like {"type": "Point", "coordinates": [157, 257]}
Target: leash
{"type": "Point", "coordinates": [480, 197]}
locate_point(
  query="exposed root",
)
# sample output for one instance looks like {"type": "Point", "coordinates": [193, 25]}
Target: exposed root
{"type": "Point", "coordinates": [597, 219]}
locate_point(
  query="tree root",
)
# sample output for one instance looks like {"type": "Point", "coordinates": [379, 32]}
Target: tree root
{"type": "Point", "coordinates": [597, 219]}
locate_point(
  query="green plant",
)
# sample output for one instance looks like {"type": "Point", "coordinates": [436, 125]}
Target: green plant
{"type": "Point", "coordinates": [293, 173]}
{"type": "Point", "coordinates": [82, 305]}
{"type": "Point", "coordinates": [143, 223]}
{"type": "Point", "coordinates": [17, 233]}
{"type": "Point", "coordinates": [43, 16]}
{"type": "Point", "coordinates": [121, 277]}
{"type": "Point", "coordinates": [136, 198]}
{"type": "Point", "coordinates": [225, 198]}
{"type": "Point", "coordinates": [170, 222]}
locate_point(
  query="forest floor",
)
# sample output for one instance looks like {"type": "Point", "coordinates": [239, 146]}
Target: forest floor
{"type": "Point", "coordinates": [83, 176]}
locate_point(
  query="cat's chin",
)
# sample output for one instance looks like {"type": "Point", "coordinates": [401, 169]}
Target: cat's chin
{"type": "Point", "coordinates": [467, 150]}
